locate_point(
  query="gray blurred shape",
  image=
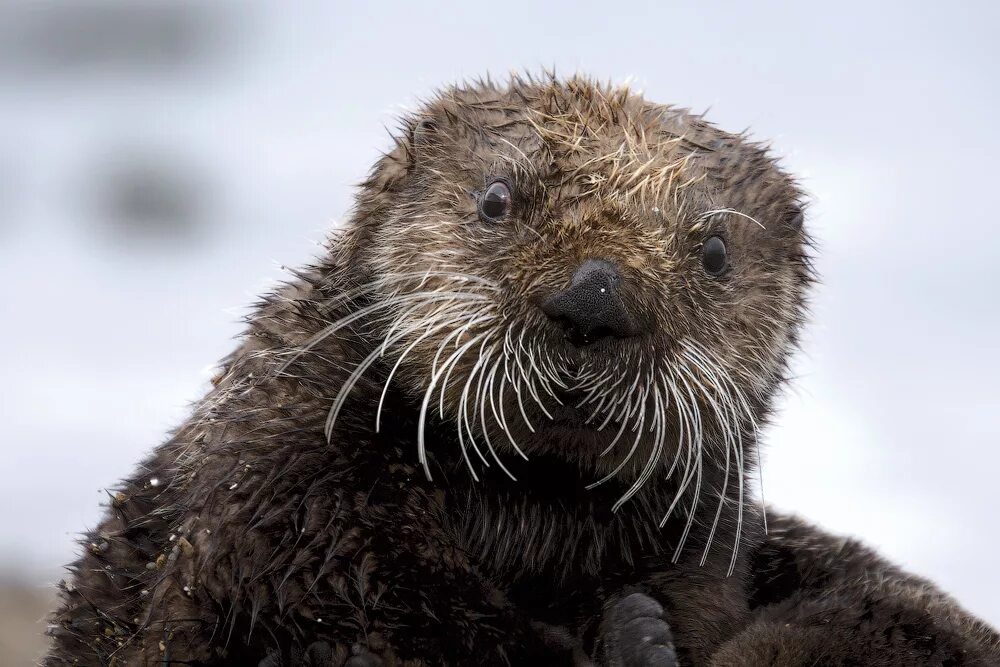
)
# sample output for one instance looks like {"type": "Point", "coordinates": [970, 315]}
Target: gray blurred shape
{"type": "Point", "coordinates": [146, 195]}
{"type": "Point", "coordinates": [112, 37]}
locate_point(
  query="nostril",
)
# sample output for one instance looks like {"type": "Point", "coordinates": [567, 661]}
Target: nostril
{"type": "Point", "coordinates": [599, 332]}
{"type": "Point", "coordinates": [559, 309]}
{"type": "Point", "coordinates": [564, 322]}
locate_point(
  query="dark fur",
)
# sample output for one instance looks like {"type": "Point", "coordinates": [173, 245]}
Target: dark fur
{"type": "Point", "coordinates": [252, 537]}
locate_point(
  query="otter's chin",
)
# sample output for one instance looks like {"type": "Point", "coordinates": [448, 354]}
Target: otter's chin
{"type": "Point", "coordinates": [569, 434]}
{"type": "Point", "coordinates": [569, 416]}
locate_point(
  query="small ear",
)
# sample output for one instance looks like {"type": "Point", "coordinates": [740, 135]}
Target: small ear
{"type": "Point", "coordinates": [794, 218]}
{"type": "Point", "coordinates": [424, 132]}
{"type": "Point", "coordinates": [390, 171]}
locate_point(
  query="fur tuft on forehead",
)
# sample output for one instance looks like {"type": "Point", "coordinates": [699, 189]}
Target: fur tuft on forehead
{"type": "Point", "coordinates": [579, 138]}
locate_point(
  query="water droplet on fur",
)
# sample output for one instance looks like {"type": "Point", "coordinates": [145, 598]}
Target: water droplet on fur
{"type": "Point", "coordinates": [233, 485]}
{"type": "Point", "coordinates": [155, 481]}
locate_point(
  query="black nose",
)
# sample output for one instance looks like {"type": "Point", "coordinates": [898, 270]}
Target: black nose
{"type": "Point", "coordinates": [591, 308]}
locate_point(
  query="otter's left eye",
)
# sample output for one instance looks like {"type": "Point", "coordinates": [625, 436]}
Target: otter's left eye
{"type": "Point", "coordinates": [494, 202]}
{"type": "Point", "coordinates": [713, 255]}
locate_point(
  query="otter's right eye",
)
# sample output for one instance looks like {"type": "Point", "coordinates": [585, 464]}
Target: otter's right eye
{"type": "Point", "coordinates": [713, 256]}
{"type": "Point", "coordinates": [494, 202]}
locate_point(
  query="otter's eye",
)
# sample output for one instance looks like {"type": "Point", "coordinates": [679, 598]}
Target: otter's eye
{"type": "Point", "coordinates": [494, 202]}
{"type": "Point", "coordinates": [713, 255]}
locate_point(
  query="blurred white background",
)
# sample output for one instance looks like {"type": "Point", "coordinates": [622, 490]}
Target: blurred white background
{"type": "Point", "coordinates": [160, 161]}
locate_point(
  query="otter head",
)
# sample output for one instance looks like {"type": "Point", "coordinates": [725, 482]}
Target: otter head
{"type": "Point", "coordinates": [566, 268]}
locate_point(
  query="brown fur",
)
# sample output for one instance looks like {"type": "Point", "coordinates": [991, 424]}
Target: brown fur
{"type": "Point", "coordinates": [270, 529]}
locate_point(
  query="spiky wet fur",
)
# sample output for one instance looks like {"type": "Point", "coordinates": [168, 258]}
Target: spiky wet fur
{"type": "Point", "coordinates": [350, 479]}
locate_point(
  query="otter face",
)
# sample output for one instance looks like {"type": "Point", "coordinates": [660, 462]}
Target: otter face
{"type": "Point", "coordinates": [573, 270]}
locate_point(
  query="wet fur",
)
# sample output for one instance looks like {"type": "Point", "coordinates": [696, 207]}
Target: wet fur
{"type": "Point", "coordinates": [267, 524]}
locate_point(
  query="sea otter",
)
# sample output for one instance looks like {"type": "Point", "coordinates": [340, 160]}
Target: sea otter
{"type": "Point", "coordinates": [510, 417]}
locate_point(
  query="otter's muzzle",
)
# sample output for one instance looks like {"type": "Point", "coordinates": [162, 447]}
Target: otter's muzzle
{"type": "Point", "coordinates": [591, 308]}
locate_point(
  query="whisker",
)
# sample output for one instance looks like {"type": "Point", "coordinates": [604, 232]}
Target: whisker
{"type": "Point", "coordinates": [399, 360]}
{"type": "Point", "coordinates": [428, 297]}
{"type": "Point", "coordinates": [614, 441]}
{"type": "Point", "coordinates": [748, 414]}
{"type": "Point", "coordinates": [659, 426]}
{"type": "Point", "coordinates": [464, 404]}
{"type": "Point", "coordinates": [518, 392]}
{"type": "Point", "coordinates": [400, 279]}
{"type": "Point", "coordinates": [683, 438]}
{"type": "Point", "coordinates": [730, 445]}
{"type": "Point", "coordinates": [529, 377]}
{"type": "Point", "coordinates": [501, 419]}
{"type": "Point", "coordinates": [697, 434]}
{"type": "Point", "coordinates": [641, 420]}
{"type": "Point", "coordinates": [487, 382]}
{"type": "Point", "coordinates": [457, 334]}
{"type": "Point", "coordinates": [421, 422]}
{"type": "Point", "coordinates": [708, 214]}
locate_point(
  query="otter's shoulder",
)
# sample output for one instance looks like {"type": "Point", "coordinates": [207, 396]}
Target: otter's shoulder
{"type": "Point", "coordinates": [799, 561]}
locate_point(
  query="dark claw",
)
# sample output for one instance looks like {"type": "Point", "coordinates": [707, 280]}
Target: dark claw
{"type": "Point", "coordinates": [661, 656]}
{"type": "Point", "coordinates": [362, 657]}
{"type": "Point", "coordinates": [324, 654]}
{"type": "Point", "coordinates": [637, 605]}
{"type": "Point", "coordinates": [634, 634]}
{"type": "Point", "coordinates": [648, 631]}
{"type": "Point", "coordinates": [319, 654]}
{"type": "Point", "coordinates": [272, 659]}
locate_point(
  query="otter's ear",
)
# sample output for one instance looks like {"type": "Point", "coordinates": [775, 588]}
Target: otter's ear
{"type": "Point", "coordinates": [794, 218]}
{"type": "Point", "coordinates": [424, 133]}
{"type": "Point", "coordinates": [388, 173]}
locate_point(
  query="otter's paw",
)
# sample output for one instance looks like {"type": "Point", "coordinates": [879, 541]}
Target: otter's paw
{"type": "Point", "coordinates": [634, 634]}
{"type": "Point", "coordinates": [362, 657]}
{"type": "Point", "coordinates": [324, 654]}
